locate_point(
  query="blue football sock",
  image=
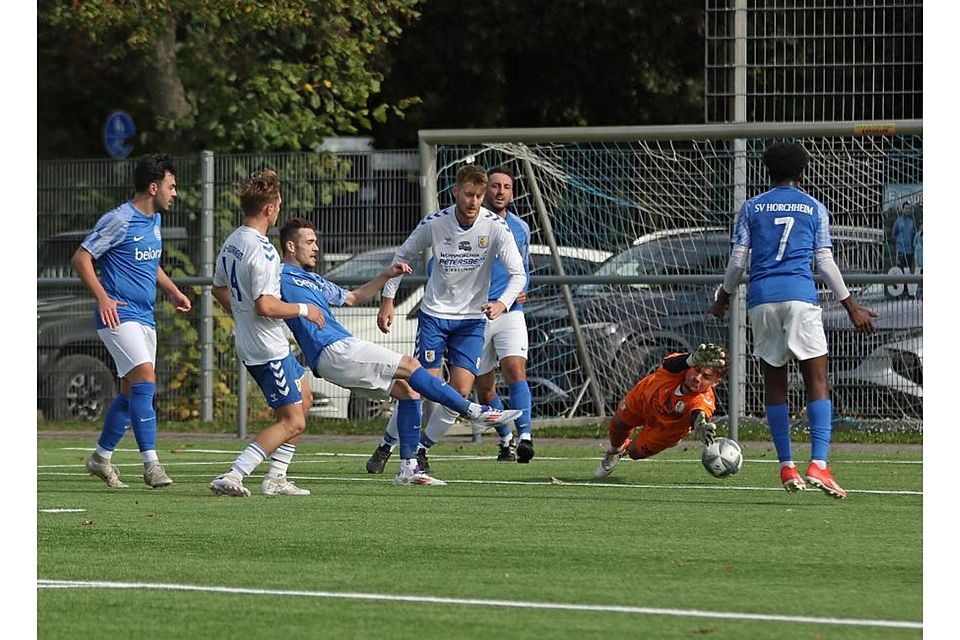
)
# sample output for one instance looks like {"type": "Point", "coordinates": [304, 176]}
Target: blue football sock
{"type": "Point", "coordinates": [820, 413]}
{"type": "Point", "coordinates": [503, 429]}
{"type": "Point", "coordinates": [778, 417]}
{"type": "Point", "coordinates": [408, 427]}
{"type": "Point", "coordinates": [433, 388]}
{"type": "Point", "coordinates": [143, 418]}
{"type": "Point", "coordinates": [521, 399]}
{"type": "Point", "coordinates": [115, 423]}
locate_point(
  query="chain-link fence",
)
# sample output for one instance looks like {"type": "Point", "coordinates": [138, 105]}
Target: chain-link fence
{"type": "Point", "coordinates": [811, 61]}
{"type": "Point", "coordinates": [358, 201]}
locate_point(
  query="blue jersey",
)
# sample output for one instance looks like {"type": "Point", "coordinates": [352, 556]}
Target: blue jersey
{"type": "Point", "coordinates": [499, 276]}
{"type": "Point", "coordinates": [782, 228]}
{"type": "Point", "coordinates": [297, 285]}
{"type": "Point", "coordinates": [127, 246]}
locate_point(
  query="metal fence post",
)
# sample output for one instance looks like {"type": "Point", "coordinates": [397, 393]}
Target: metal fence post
{"type": "Point", "coordinates": [241, 400]}
{"type": "Point", "coordinates": [206, 295]}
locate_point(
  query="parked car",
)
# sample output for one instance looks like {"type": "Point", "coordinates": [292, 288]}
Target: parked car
{"type": "Point", "coordinates": [628, 329]}
{"type": "Point", "coordinates": [330, 401]}
{"type": "Point", "coordinates": [76, 377]}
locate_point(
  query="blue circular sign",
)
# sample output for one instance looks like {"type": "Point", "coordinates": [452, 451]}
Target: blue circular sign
{"type": "Point", "coordinates": [117, 128]}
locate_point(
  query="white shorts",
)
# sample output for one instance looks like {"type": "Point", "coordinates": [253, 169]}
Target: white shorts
{"type": "Point", "coordinates": [782, 330]}
{"type": "Point", "coordinates": [358, 365]}
{"type": "Point", "coordinates": [506, 336]}
{"type": "Point", "coordinates": [130, 344]}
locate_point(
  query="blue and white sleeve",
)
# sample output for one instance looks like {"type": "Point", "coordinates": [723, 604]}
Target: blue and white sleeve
{"type": "Point", "coordinates": [741, 226]}
{"type": "Point", "coordinates": [335, 294]}
{"type": "Point", "coordinates": [109, 232]}
{"type": "Point", "coordinates": [822, 239]}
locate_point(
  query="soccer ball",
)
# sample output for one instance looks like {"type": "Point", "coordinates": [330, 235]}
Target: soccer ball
{"type": "Point", "coordinates": [722, 458]}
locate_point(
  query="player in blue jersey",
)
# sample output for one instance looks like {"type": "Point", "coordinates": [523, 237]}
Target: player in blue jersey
{"type": "Point", "coordinates": [125, 247]}
{"type": "Point", "coordinates": [361, 366]}
{"type": "Point", "coordinates": [464, 239]}
{"type": "Point", "coordinates": [783, 231]}
{"type": "Point", "coordinates": [505, 339]}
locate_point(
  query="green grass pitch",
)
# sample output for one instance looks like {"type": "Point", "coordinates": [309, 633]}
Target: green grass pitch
{"type": "Point", "coordinates": [657, 550]}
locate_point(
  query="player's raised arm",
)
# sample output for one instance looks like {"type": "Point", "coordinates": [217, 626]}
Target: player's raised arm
{"type": "Point", "coordinates": [366, 291]}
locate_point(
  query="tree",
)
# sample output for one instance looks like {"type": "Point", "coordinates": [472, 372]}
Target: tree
{"type": "Point", "coordinates": [547, 63]}
{"type": "Point", "coordinates": [226, 75]}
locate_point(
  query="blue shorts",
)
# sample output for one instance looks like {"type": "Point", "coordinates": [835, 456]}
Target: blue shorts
{"type": "Point", "coordinates": [460, 340]}
{"type": "Point", "coordinates": [274, 379]}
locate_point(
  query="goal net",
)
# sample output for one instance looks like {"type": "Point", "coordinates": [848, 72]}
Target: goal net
{"type": "Point", "coordinates": [664, 208]}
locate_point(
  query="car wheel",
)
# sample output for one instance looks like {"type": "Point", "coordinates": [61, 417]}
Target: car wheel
{"type": "Point", "coordinates": [360, 407]}
{"type": "Point", "coordinates": [82, 388]}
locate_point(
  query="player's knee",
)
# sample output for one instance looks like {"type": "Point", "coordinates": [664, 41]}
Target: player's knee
{"type": "Point", "coordinates": [408, 364]}
{"type": "Point", "coordinates": [486, 395]}
{"type": "Point", "coordinates": [514, 369]}
{"type": "Point", "coordinates": [294, 423]}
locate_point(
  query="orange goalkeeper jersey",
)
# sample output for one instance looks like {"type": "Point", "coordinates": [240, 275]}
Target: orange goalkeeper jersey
{"type": "Point", "coordinates": [654, 403]}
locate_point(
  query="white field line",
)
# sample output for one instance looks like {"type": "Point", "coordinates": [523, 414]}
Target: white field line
{"type": "Point", "coordinates": [63, 510]}
{"type": "Point", "coordinates": [468, 458]}
{"type": "Point", "coordinates": [387, 479]}
{"type": "Point", "coordinates": [381, 597]}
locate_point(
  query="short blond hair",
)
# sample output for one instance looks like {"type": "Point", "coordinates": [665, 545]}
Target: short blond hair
{"type": "Point", "coordinates": [259, 190]}
{"type": "Point", "coordinates": [472, 174]}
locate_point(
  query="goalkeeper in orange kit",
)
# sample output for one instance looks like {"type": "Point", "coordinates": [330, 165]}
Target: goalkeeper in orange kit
{"type": "Point", "coordinates": [665, 406]}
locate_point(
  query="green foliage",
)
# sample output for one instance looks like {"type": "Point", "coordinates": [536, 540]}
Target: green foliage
{"type": "Point", "coordinates": [257, 75]}
{"type": "Point", "coordinates": [546, 63]}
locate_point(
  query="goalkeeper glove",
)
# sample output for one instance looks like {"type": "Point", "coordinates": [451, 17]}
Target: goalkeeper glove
{"type": "Point", "coordinates": [704, 430]}
{"type": "Point", "coordinates": [708, 355]}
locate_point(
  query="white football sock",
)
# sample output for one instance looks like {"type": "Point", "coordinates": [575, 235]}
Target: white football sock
{"type": "Point", "coordinates": [441, 420]}
{"type": "Point", "coordinates": [280, 460]}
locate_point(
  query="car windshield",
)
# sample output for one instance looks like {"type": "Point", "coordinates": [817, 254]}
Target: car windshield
{"type": "Point", "coordinates": [693, 254]}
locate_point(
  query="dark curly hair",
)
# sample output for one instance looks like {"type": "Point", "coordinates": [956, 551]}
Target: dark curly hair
{"type": "Point", "coordinates": [151, 168]}
{"type": "Point", "coordinates": [785, 161]}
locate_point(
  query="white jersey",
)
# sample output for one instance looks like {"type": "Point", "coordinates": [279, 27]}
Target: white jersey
{"type": "Point", "coordinates": [463, 259]}
{"type": "Point", "coordinates": [249, 266]}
